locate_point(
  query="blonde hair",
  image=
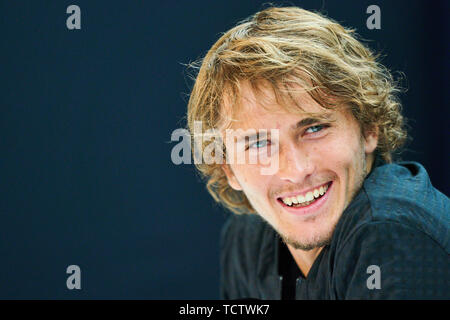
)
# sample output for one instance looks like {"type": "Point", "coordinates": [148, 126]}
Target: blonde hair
{"type": "Point", "coordinates": [285, 47]}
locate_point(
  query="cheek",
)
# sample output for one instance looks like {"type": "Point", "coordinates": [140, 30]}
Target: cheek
{"type": "Point", "coordinates": [251, 180]}
{"type": "Point", "coordinates": [335, 152]}
{"type": "Point", "coordinates": [337, 156]}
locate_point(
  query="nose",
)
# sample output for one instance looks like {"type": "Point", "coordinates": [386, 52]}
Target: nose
{"type": "Point", "coordinates": [295, 164]}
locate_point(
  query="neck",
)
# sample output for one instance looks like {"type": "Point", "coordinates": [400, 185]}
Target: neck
{"type": "Point", "coordinates": [304, 259]}
{"type": "Point", "coordinates": [370, 162]}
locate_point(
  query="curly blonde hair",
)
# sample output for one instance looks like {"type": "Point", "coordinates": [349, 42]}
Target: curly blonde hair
{"type": "Point", "coordinates": [285, 47]}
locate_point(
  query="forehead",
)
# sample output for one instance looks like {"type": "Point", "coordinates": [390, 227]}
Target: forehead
{"type": "Point", "coordinates": [261, 106]}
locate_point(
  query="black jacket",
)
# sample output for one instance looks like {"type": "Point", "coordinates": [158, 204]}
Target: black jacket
{"type": "Point", "coordinates": [397, 222]}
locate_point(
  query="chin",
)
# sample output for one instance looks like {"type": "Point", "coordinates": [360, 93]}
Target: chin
{"type": "Point", "coordinates": [309, 242]}
{"type": "Point", "coordinates": [308, 237]}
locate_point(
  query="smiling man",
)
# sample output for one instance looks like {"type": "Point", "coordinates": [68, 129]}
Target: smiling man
{"type": "Point", "coordinates": [337, 219]}
{"type": "Point", "coordinates": [323, 164]}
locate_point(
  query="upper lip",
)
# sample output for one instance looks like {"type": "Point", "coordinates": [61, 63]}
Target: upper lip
{"type": "Point", "coordinates": [303, 192]}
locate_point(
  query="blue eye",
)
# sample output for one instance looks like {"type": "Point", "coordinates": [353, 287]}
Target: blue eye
{"type": "Point", "coordinates": [314, 129]}
{"type": "Point", "coordinates": [259, 144]}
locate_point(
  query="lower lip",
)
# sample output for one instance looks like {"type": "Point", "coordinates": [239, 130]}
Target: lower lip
{"type": "Point", "coordinates": [309, 209]}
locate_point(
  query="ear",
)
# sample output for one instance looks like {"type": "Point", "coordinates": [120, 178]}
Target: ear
{"type": "Point", "coordinates": [232, 181]}
{"type": "Point", "coordinates": [371, 140]}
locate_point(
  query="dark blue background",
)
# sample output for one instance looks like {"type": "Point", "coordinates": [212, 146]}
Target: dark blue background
{"type": "Point", "coordinates": [86, 118]}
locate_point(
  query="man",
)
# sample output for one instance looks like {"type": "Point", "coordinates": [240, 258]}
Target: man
{"type": "Point", "coordinates": [336, 219]}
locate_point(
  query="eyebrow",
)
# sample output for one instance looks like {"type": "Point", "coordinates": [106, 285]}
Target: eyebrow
{"type": "Point", "coordinates": [300, 124]}
{"type": "Point", "coordinates": [312, 120]}
{"type": "Point", "coordinates": [252, 137]}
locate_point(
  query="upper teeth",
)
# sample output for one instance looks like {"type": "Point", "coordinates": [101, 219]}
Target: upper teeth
{"type": "Point", "coordinates": [307, 197]}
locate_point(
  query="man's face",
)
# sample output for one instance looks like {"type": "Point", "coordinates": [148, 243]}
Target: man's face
{"type": "Point", "coordinates": [322, 164]}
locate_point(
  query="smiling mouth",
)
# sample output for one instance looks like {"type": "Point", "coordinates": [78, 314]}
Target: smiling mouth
{"type": "Point", "coordinates": [306, 199]}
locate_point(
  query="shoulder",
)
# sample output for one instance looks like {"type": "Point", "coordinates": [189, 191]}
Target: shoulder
{"type": "Point", "coordinates": [247, 243]}
{"type": "Point", "coordinates": [243, 237]}
{"type": "Point", "coordinates": [399, 223]}
{"type": "Point", "coordinates": [402, 194]}
{"type": "Point", "coordinates": [410, 263]}
{"type": "Point", "coordinates": [243, 228]}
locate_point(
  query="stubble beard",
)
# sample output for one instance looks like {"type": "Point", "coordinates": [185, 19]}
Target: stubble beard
{"type": "Point", "coordinates": [322, 240]}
